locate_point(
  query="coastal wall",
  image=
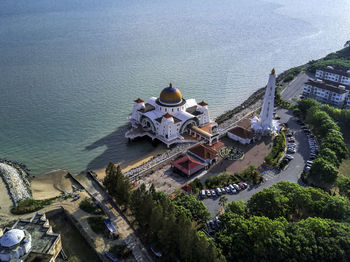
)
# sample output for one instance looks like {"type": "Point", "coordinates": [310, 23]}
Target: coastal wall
{"type": "Point", "coordinates": [16, 181]}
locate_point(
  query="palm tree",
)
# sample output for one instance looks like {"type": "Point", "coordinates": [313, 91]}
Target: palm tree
{"type": "Point", "coordinates": [222, 201]}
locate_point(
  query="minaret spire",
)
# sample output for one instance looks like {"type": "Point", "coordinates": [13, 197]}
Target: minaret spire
{"type": "Point", "coordinates": [170, 85]}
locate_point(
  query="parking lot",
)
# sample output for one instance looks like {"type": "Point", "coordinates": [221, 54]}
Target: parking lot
{"type": "Point", "coordinates": [291, 173]}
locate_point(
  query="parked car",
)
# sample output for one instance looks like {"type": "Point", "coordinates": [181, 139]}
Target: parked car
{"type": "Point", "coordinates": [212, 225]}
{"type": "Point", "coordinates": [241, 186]}
{"type": "Point", "coordinates": [245, 184]}
{"type": "Point", "coordinates": [223, 190]}
{"type": "Point", "coordinates": [307, 168]}
{"type": "Point", "coordinates": [227, 189]}
{"type": "Point", "coordinates": [218, 191]}
{"type": "Point", "coordinates": [291, 151]}
{"type": "Point", "coordinates": [203, 194]}
{"type": "Point", "coordinates": [213, 194]}
{"type": "Point", "coordinates": [233, 190]}
{"type": "Point", "coordinates": [237, 187]}
{"type": "Point", "coordinates": [289, 157]}
{"type": "Point", "coordinates": [208, 193]}
{"type": "Point", "coordinates": [291, 140]}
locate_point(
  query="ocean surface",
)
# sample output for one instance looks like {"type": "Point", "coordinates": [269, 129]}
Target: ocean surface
{"type": "Point", "coordinates": [70, 69]}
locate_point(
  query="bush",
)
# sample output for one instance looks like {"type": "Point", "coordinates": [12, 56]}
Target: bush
{"type": "Point", "coordinates": [196, 184]}
{"type": "Point", "coordinates": [250, 174]}
{"type": "Point", "coordinates": [90, 207]}
{"type": "Point", "coordinates": [97, 224]}
{"type": "Point", "coordinates": [221, 180]}
{"type": "Point", "coordinates": [277, 151]}
{"type": "Point", "coordinates": [30, 205]}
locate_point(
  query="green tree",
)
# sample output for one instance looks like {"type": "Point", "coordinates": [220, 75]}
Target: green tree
{"type": "Point", "coordinates": [323, 170]}
{"type": "Point", "coordinates": [117, 185]}
{"type": "Point", "coordinates": [197, 208]}
{"type": "Point", "coordinates": [329, 155]}
{"type": "Point", "coordinates": [237, 207]}
{"type": "Point", "coordinates": [344, 186]}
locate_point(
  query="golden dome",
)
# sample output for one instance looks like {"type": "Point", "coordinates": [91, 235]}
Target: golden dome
{"type": "Point", "coordinates": [170, 95]}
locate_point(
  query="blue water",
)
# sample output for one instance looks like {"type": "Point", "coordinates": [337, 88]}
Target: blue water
{"type": "Point", "coordinates": [70, 69]}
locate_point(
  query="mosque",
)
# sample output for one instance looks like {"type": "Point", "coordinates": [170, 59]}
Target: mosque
{"type": "Point", "coordinates": [30, 241]}
{"type": "Point", "coordinates": [172, 119]}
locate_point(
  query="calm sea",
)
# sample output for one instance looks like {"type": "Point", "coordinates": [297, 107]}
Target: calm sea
{"type": "Point", "coordinates": [70, 69]}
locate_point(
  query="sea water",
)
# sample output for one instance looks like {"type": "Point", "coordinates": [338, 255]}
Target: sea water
{"type": "Point", "coordinates": [70, 69]}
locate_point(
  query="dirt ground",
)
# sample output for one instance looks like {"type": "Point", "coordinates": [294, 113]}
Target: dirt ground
{"type": "Point", "coordinates": [254, 154]}
{"type": "Point", "coordinates": [165, 180]}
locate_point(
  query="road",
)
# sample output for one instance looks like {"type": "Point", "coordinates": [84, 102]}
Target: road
{"type": "Point", "coordinates": [295, 87]}
{"type": "Point", "coordinates": [295, 167]}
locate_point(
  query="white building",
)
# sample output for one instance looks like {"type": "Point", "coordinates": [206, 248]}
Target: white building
{"type": "Point", "coordinates": [171, 119]}
{"type": "Point", "coordinates": [30, 240]}
{"type": "Point", "coordinates": [326, 92]}
{"type": "Point", "coordinates": [265, 123]}
{"type": "Point", "coordinates": [241, 135]}
{"type": "Point", "coordinates": [334, 75]}
{"type": "Point", "coordinates": [331, 89]}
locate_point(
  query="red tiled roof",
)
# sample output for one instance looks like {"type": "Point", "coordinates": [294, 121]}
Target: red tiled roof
{"type": "Point", "coordinates": [139, 100]}
{"type": "Point", "coordinates": [203, 152]}
{"type": "Point", "coordinates": [187, 165]}
{"type": "Point", "coordinates": [245, 123]}
{"type": "Point", "coordinates": [217, 145]}
{"type": "Point", "coordinates": [167, 115]}
{"type": "Point", "coordinates": [203, 103]}
{"type": "Point", "coordinates": [241, 132]}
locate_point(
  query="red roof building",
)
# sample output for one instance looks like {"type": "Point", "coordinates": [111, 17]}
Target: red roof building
{"type": "Point", "coordinates": [204, 153]}
{"type": "Point", "coordinates": [240, 134]}
{"type": "Point", "coordinates": [187, 165]}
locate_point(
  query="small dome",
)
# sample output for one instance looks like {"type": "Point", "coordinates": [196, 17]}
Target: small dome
{"type": "Point", "coordinates": [170, 95]}
{"type": "Point", "coordinates": [12, 238]}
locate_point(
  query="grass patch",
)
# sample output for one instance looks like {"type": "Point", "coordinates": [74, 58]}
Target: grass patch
{"type": "Point", "coordinates": [90, 207]}
{"type": "Point", "coordinates": [30, 205]}
{"type": "Point", "coordinates": [344, 169]}
{"type": "Point", "coordinates": [97, 224]}
{"type": "Point", "coordinates": [292, 73]}
{"type": "Point", "coordinates": [277, 151]}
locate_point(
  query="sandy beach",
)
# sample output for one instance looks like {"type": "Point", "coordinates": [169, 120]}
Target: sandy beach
{"type": "Point", "coordinates": [128, 165]}
{"type": "Point", "coordinates": [5, 200]}
{"type": "Point", "coordinates": [51, 184]}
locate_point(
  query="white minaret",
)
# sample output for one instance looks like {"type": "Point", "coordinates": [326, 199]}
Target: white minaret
{"type": "Point", "coordinates": [265, 119]}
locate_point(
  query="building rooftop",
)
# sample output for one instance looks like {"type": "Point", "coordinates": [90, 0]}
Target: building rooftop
{"type": "Point", "coordinates": [323, 85]}
{"type": "Point", "coordinates": [203, 151]}
{"type": "Point", "coordinates": [186, 163]}
{"type": "Point", "coordinates": [241, 132]}
{"type": "Point", "coordinates": [40, 231]}
{"type": "Point", "coordinates": [339, 71]}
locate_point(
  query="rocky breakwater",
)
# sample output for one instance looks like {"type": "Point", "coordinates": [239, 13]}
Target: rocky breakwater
{"type": "Point", "coordinates": [16, 180]}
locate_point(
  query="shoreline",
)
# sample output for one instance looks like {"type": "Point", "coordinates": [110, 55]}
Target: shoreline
{"type": "Point", "coordinates": [159, 155]}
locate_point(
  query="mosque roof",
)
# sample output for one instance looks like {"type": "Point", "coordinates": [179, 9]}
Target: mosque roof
{"type": "Point", "coordinates": [170, 95]}
{"type": "Point", "coordinates": [12, 238]}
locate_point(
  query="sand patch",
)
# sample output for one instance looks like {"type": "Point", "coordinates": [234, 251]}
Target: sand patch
{"type": "Point", "coordinates": [5, 200]}
{"type": "Point", "coordinates": [51, 184]}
